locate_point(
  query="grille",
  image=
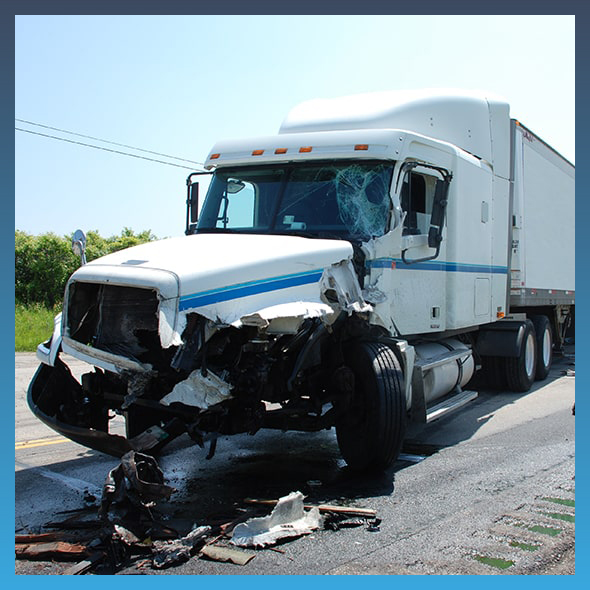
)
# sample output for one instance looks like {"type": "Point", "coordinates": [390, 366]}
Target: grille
{"type": "Point", "coordinates": [115, 319]}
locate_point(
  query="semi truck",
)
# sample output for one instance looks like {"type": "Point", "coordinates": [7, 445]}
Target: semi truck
{"type": "Point", "coordinates": [377, 262]}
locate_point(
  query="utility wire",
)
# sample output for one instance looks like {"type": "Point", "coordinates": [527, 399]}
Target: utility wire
{"type": "Point", "coordinates": [97, 147]}
{"type": "Point", "coordinates": [106, 141]}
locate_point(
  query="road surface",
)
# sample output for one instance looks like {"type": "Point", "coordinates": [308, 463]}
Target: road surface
{"type": "Point", "coordinates": [488, 490]}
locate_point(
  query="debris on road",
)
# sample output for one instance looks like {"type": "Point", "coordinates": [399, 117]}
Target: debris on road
{"type": "Point", "coordinates": [227, 554]}
{"type": "Point", "coordinates": [288, 519]}
{"type": "Point", "coordinates": [323, 508]}
{"type": "Point", "coordinates": [121, 530]}
{"type": "Point", "coordinates": [138, 479]}
{"type": "Point", "coordinates": [60, 550]}
{"type": "Point", "coordinates": [86, 565]}
{"type": "Point", "coordinates": [167, 553]}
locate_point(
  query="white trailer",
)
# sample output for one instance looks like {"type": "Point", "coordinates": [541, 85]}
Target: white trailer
{"type": "Point", "coordinates": [355, 271]}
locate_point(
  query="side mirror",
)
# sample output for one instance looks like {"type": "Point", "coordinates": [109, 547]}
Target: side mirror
{"type": "Point", "coordinates": [437, 219]}
{"type": "Point", "coordinates": [79, 245]}
{"type": "Point", "coordinates": [194, 202]}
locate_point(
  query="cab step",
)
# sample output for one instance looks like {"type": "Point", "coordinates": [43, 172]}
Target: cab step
{"type": "Point", "coordinates": [449, 405]}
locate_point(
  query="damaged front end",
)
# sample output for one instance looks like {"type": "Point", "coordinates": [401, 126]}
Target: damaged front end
{"type": "Point", "coordinates": [264, 353]}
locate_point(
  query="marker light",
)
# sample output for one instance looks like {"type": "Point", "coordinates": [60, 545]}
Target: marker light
{"type": "Point", "coordinates": [214, 156]}
{"type": "Point", "coordinates": [361, 147]}
{"type": "Point", "coordinates": [258, 152]}
{"type": "Point", "coordinates": [303, 150]}
{"type": "Point", "coordinates": [281, 151]}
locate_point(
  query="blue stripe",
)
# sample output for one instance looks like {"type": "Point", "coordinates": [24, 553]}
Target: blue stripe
{"type": "Point", "coordinates": [397, 263]}
{"type": "Point", "coordinates": [247, 289]}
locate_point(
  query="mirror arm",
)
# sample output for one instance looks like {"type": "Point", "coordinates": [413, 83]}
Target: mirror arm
{"type": "Point", "coordinates": [192, 205]}
{"type": "Point", "coordinates": [435, 255]}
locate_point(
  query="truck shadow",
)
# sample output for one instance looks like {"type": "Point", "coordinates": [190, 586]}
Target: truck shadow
{"type": "Point", "coordinates": [465, 423]}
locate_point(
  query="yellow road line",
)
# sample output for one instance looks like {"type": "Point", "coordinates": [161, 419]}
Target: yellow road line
{"type": "Point", "coordinates": [29, 444]}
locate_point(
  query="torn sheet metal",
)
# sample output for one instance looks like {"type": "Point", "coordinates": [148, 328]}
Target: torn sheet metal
{"type": "Point", "coordinates": [380, 283]}
{"type": "Point", "coordinates": [198, 390]}
{"type": "Point", "coordinates": [286, 318]}
{"type": "Point", "coordinates": [341, 279]}
{"type": "Point", "coordinates": [166, 553]}
{"type": "Point", "coordinates": [287, 520]}
{"type": "Point", "coordinates": [137, 479]}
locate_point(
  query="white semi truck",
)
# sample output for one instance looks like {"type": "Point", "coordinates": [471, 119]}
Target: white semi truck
{"type": "Point", "coordinates": [355, 271]}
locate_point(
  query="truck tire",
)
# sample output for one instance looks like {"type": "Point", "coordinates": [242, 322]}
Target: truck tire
{"type": "Point", "coordinates": [520, 371]}
{"type": "Point", "coordinates": [544, 345]}
{"type": "Point", "coordinates": [371, 432]}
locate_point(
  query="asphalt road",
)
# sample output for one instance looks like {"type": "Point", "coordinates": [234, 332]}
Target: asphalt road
{"type": "Point", "coordinates": [488, 490]}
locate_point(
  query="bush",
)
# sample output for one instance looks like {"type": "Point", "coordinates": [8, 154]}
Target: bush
{"type": "Point", "coordinates": [44, 263]}
{"type": "Point", "coordinates": [33, 324]}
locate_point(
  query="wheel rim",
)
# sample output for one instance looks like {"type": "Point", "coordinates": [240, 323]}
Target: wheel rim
{"type": "Point", "coordinates": [529, 359]}
{"type": "Point", "coordinates": [546, 347]}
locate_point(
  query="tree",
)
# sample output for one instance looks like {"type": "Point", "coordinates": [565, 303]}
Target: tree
{"type": "Point", "coordinates": [44, 263]}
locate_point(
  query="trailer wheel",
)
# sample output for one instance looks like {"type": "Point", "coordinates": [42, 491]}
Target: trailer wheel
{"type": "Point", "coordinates": [544, 345]}
{"type": "Point", "coordinates": [520, 371]}
{"type": "Point", "coordinates": [370, 433]}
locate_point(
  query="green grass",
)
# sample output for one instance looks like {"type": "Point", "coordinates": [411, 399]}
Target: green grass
{"type": "Point", "coordinates": [562, 501]}
{"type": "Point", "coordinates": [560, 516]}
{"type": "Point", "coordinates": [32, 324]}
{"type": "Point", "coordinates": [497, 562]}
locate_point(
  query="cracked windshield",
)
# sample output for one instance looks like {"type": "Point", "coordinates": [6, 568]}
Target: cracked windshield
{"type": "Point", "coordinates": [340, 200]}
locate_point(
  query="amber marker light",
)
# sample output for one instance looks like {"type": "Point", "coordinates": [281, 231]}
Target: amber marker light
{"type": "Point", "coordinates": [304, 150]}
{"type": "Point", "coordinates": [281, 151]}
{"type": "Point", "coordinates": [361, 147]}
{"type": "Point", "coordinates": [214, 156]}
{"type": "Point", "coordinates": [258, 152]}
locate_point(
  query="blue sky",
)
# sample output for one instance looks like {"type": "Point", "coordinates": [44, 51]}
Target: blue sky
{"type": "Point", "coordinates": [177, 84]}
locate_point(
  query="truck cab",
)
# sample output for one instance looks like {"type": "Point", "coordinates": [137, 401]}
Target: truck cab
{"type": "Point", "coordinates": [348, 272]}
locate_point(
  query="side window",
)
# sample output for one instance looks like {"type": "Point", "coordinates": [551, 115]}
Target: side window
{"type": "Point", "coordinates": [416, 199]}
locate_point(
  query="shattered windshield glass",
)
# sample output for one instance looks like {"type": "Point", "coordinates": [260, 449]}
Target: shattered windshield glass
{"type": "Point", "coordinates": [334, 199]}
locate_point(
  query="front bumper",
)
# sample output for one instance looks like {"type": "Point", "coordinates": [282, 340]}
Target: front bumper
{"type": "Point", "coordinates": [54, 396]}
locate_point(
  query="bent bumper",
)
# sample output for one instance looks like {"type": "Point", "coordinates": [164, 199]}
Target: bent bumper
{"type": "Point", "coordinates": [54, 396]}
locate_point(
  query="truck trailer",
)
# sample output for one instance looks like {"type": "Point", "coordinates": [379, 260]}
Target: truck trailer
{"type": "Point", "coordinates": [376, 262]}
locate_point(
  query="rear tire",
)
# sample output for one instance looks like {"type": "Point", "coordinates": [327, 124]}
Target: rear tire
{"type": "Point", "coordinates": [544, 338]}
{"type": "Point", "coordinates": [520, 371]}
{"type": "Point", "coordinates": [371, 432]}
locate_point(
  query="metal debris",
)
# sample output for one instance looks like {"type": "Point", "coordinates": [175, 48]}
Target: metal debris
{"type": "Point", "coordinates": [137, 479]}
{"type": "Point", "coordinates": [287, 520]}
{"type": "Point", "coordinates": [126, 535]}
{"type": "Point", "coordinates": [167, 553]}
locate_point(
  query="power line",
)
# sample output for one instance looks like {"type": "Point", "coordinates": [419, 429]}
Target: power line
{"type": "Point", "coordinates": [97, 147]}
{"type": "Point", "coordinates": [107, 141]}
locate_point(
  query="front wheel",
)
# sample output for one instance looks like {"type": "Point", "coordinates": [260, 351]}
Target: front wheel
{"type": "Point", "coordinates": [371, 431]}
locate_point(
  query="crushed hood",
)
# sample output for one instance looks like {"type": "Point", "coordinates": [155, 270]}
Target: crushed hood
{"type": "Point", "coordinates": [224, 275]}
